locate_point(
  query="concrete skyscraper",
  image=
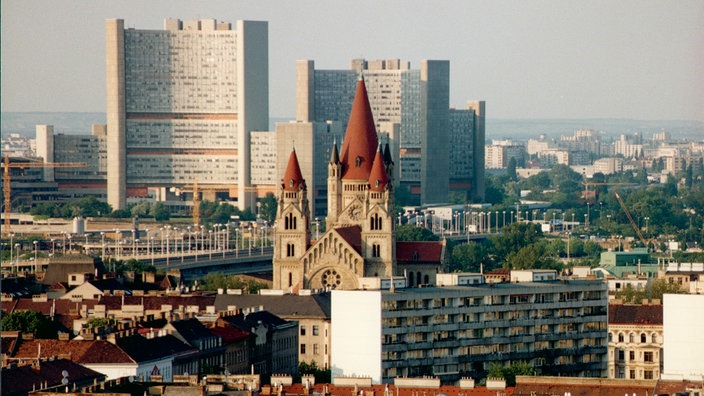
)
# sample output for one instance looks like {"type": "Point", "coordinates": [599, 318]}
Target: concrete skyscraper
{"type": "Point", "coordinates": [181, 104]}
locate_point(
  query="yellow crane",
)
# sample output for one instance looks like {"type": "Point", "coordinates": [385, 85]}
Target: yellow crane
{"type": "Point", "coordinates": [196, 203]}
{"type": "Point", "coordinates": [630, 219]}
{"type": "Point", "coordinates": [6, 179]}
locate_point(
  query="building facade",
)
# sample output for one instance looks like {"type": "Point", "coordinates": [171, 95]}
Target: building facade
{"type": "Point", "coordinates": [459, 331]}
{"type": "Point", "coordinates": [635, 341]}
{"type": "Point", "coordinates": [181, 103]}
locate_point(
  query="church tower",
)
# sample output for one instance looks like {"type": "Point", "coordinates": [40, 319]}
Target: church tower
{"type": "Point", "coordinates": [378, 244]}
{"type": "Point", "coordinates": [292, 227]}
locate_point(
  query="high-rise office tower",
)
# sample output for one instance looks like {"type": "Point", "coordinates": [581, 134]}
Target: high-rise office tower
{"type": "Point", "coordinates": [181, 103]}
{"type": "Point", "coordinates": [410, 107]}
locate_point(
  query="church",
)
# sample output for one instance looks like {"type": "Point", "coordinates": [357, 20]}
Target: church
{"type": "Point", "coordinates": [359, 240]}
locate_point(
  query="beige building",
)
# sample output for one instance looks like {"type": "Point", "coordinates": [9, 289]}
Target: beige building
{"type": "Point", "coordinates": [635, 341]}
{"type": "Point", "coordinates": [181, 104]}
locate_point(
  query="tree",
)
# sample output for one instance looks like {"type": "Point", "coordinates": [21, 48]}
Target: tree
{"type": "Point", "coordinates": [409, 232]}
{"type": "Point", "coordinates": [468, 257]}
{"type": "Point", "coordinates": [29, 322]}
{"type": "Point", "coordinates": [160, 212]}
{"type": "Point", "coordinates": [510, 372]}
{"type": "Point", "coordinates": [511, 169]}
{"type": "Point", "coordinates": [268, 209]}
{"type": "Point", "coordinates": [214, 281]}
{"type": "Point", "coordinates": [321, 376]}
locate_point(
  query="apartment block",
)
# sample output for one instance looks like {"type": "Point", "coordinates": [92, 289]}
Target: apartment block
{"type": "Point", "coordinates": [559, 327]}
{"type": "Point", "coordinates": [181, 103]}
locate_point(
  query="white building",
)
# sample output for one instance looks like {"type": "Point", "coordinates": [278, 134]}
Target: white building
{"type": "Point", "coordinates": [683, 321]}
{"type": "Point", "coordinates": [458, 331]}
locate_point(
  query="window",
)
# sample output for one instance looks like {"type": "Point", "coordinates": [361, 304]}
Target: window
{"type": "Point", "coordinates": [290, 250]}
{"type": "Point", "coordinates": [631, 337]}
{"type": "Point", "coordinates": [376, 250]}
{"type": "Point", "coordinates": [303, 330]}
{"type": "Point", "coordinates": [611, 336]}
{"type": "Point", "coordinates": [632, 355]}
{"type": "Point", "coordinates": [655, 338]}
{"type": "Point", "coordinates": [632, 374]}
{"type": "Point", "coordinates": [290, 279]}
{"type": "Point", "coordinates": [303, 349]}
{"type": "Point", "coordinates": [648, 374]}
{"type": "Point", "coordinates": [648, 357]}
{"type": "Point", "coordinates": [620, 337]}
{"type": "Point", "coordinates": [643, 338]}
{"type": "Point", "coordinates": [290, 222]}
{"type": "Point", "coordinates": [315, 349]}
{"type": "Point", "coordinates": [621, 355]}
{"type": "Point", "coordinates": [315, 330]}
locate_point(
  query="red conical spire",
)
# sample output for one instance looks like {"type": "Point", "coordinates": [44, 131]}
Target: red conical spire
{"type": "Point", "coordinates": [378, 179]}
{"type": "Point", "coordinates": [360, 139]}
{"type": "Point", "coordinates": [292, 177]}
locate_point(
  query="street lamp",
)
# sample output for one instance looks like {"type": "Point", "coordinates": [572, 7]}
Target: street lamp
{"type": "Point", "coordinates": [53, 247]}
{"type": "Point", "coordinates": [36, 266]}
{"type": "Point", "coordinates": [17, 252]}
{"type": "Point", "coordinates": [63, 243]}
{"type": "Point", "coordinates": [210, 244]}
{"type": "Point", "coordinates": [504, 220]}
{"type": "Point", "coordinates": [646, 225]}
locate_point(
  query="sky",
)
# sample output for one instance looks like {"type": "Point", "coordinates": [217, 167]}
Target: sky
{"type": "Point", "coordinates": [625, 59]}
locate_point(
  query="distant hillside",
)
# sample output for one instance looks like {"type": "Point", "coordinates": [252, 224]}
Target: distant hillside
{"type": "Point", "coordinates": [80, 123]}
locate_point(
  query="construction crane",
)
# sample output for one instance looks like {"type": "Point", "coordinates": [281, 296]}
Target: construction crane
{"type": "Point", "coordinates": [630, 219]}
{"type": "Point", "coordinates": [6, 179]}
{"type": "Point", "coordinates": [196, 203]}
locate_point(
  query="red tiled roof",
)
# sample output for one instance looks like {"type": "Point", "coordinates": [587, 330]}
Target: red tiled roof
{"type": "Point", "coordinates": [421, 252]}
{"type": "Point", "coordinates": [499, 271]}
{"type": "Point", "coordinates": [540, 386]}
{"type": "Point", "coordinates": [353, 236]}
{"type": "Point", "coordinates": [379, 389]}
{"type": "Point", "coordinates": [378, 179]}
{"type": "Point", "coordinates": [664, 387]}
{"type": "Point", "coordinates": [152, 303]}
{"type": "Point", "coordinates": [80, 351]}
{"type": "Point", "coordinates": [635, 314]}
{"type": "Point", "coordinates": [360, 139]}
{"type": "Point", "coordinates": [293, 178]}
{"type": "Point", "coordinates": [229, 334]}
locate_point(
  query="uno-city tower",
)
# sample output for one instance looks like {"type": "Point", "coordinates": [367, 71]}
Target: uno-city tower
{"type": "Point", "coordinates": [181, 103]}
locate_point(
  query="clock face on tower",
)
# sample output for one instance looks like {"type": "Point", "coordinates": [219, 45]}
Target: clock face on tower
{"type": "Point", "coordinates": [355, 212]}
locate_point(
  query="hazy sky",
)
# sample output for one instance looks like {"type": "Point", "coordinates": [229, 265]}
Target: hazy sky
{"type": "Point", "coordinates": [528, 59]}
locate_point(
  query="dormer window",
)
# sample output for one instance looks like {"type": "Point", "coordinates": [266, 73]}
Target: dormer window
{"type": "Point", "coordinates": [377, 183]}
{"type": "Point", "coordinates": [358, 161]}
{"type": "Point", "coordinates": [291, 183]}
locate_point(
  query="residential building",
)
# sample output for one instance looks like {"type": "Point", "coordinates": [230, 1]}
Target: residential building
{"type": "Point", "coordinates": [635, 341]}
{"type": "Point", "coordinates": [499, 153]}
{"type": "Point", "coordinates": [209, 345]}
{"type": "Point", "coordinates": [275, 347]}
{"type": "Point", "coordinates": [46, 376]}
{"type": "Point", "coordinates": [558, 327]}
{"type": "Point", "coordinates": [689, 276]}
{"type": "Point", "coordinates": [311, 312]}
{"type": "Point", "coordinates": [181, 104]}
{"type": "Point", "coordinates": [411, 109]}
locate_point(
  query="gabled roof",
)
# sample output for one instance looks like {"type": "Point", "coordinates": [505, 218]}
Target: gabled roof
{"type": "Point", "coordinates": [293, 178]}
{"type": "Point", "coordinates": [192, 330]}
{"type": "Point", "coordinates": [378, 178]}
{"type": "Point", "coordinates": [288, 306]}
{"type": "Point", "coordinates": [352, 235]}
{"type": "Point", "coordinates": [26, 378]}
{"type": "Point", "coordinates": [142, 349]}
{"type": "Point", "coordinates": [635, 314]}
{"type": "Point", "coordinates": [419, 252]}
{"type": "Point", "coordinates": [254, 319]}
{"type": "Point", "coordinates": [80, 351]}
{"type": "Point", "coordinates": [360, 139]}
{"type": "Point", "coordinates": [154, 303]}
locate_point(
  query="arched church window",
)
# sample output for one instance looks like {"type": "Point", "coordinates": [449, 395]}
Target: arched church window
{"type": "Point", "coordinates": [376, 250]}
{"type": "Point", "coordinates": [358, 161]}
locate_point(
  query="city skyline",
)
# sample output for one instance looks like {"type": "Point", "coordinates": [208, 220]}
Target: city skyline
{"type": "Point", "coordinates": [527, 60]}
